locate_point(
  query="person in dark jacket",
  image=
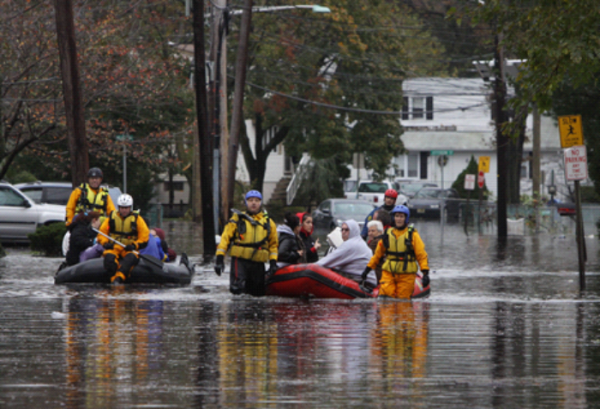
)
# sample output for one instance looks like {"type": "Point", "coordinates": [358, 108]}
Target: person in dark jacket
{"type": "Point", "coordinates": [306, 230]}
{"type": "Point", "coordinates": [82, 235]}
{"type": "Point", "coordinates": [291, 247]}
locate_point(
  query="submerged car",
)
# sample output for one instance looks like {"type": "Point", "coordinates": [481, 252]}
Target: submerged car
{"type": "Point", "coordinates": [331, 213]}
{"type": "Point", "coordinates": [20, 216]}
{"type": "Point", "coordinates": [428, 202]}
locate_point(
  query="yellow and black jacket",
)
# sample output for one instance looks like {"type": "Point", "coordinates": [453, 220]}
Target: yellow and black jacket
{"type": "Point", "coordinates": [129, 230]}
{"type": "Point", "coordinates": [249, 237]}
{"type": "Point", "coordinates": [84, 198]}
{"type": "Point", "coordinates": [402, 249]}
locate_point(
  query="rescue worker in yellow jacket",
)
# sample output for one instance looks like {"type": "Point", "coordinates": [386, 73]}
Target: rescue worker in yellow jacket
{"type": "Point", "coordinates": [90, 197]}
{"type": "Point", "coordinates": [128, 228]}
{"type": "Point", "coordinates": [251, 237]}
{"type": "Point", "coordinates": [404, 253]}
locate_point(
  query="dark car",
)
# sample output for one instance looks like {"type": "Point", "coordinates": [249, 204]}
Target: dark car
{"type": "Point", "coordinates": [428, 201]}
{"type": "Point", "coordinates": [56, 192]}
{"type": "Point", "coordinates": [331, 213]}
{"type": "Point", "coordinates": [411, 187]}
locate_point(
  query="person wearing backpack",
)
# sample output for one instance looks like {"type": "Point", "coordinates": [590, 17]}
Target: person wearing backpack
{"type": "Point", "coordinates": [251, 239]}
{"type": "Point", "coordinates": [404, 253]}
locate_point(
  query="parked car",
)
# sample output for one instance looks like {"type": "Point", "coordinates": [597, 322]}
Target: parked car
{"type": "Point", "coordinates": [427, 202]}
{"type": "Point", "coordinates": [56, 192]}
{"type": "Point", "coordinates": [331, 213]}
{"type": "Point", "coordinates": [20, 216]}
{"type": "Point", "coordinates": [373, 192]}
{"type": "Point", "coordinates": [411, 187]}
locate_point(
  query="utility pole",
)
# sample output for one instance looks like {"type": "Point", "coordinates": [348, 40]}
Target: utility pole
{"type": "Point", "coordinates": [535, 164]}
{"type": "Point", "coordinates": [204, 139]}
{"type": "Point", "coordinates": [218, 98]}
{"type": "Point", "coordinates": [501, 138]}
{"type": "Point", "coordinates": [67, 47]}
{"type": "Point", "coordinates": [237, 114]}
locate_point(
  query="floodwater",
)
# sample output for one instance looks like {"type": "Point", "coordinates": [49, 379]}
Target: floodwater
{"type": "Point", "coordinates": [505, 326]}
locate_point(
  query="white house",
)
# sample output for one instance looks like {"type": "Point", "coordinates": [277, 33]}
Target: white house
{"type": "Point", "coordinates": [453, 114]}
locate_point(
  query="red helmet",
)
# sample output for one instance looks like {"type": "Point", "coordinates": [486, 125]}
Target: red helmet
{"type": "Point", "coordinates": [391, 193]}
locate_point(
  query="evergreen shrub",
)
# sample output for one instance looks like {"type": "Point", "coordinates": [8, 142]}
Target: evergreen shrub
{"type": "Point", "coordinates": [47, 240]}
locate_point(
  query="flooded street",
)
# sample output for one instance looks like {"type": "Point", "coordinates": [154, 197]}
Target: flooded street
{"type": "Point", "coordinates": [505, 326]}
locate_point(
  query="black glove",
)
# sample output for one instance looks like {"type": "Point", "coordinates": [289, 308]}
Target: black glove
{"type": "Point", "coordinates": [365, 273]}
{"type": "Point", "coordinates": [219, 265]}
{"type": "Point", "coordinates": [130, 247]}
{"type": "Point", "coordinates": [272, 268]}
{"type": "Point", "coordinates": [425, 279]}
{"type": "Point", "coordinates": [108, 245]}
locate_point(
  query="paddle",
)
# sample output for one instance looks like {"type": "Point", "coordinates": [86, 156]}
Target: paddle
{"type": "Point", "coordinates": [137, 253]}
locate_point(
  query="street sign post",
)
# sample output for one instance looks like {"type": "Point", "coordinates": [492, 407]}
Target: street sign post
{"type": "Point", "coordinates": [124, 138]}
{"type": "Point", "coordinates": [440, 153]}
{"type": "Point", "coordinates": [576, 169]}
{"type": "Point", "coordinates": [484, 164]}
{"type": "Point", "coordinates": [571, 133]}
{"type": "Point", "coordinates": [481, 179]}
{"type": "Point", "coordinates": [576, 163]}
{"type": "Point", "coordinates": [469, 182]}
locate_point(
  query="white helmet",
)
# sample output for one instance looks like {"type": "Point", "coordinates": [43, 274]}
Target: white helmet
{"type": "Point", "coordinates": [125, 200]}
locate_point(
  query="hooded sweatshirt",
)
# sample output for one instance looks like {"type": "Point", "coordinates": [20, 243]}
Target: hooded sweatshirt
{"type": "Point", "coordinates": [352, 256]}
{"type": "Point", "coordinates": [289, 245]}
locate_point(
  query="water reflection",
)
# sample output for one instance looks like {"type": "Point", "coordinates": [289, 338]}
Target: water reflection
{"type": "Point", "coordinates": [296, 353]}
{"type": "Point", "coordinates": [110, 343]}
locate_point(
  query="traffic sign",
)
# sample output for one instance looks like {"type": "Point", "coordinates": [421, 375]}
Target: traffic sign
{"type": "Point", "coordinates": [570, 131]}
{"type": "Point", "coordinates": [484, 164]}
{"type": "Point", "coordinates": [469, 182]}
{"type": "Point", "coordinates": [481, 179]}
{"type": "Point", "coordinates": [440, 153]}
{"type": "Point", "coordinates": [576, 163]}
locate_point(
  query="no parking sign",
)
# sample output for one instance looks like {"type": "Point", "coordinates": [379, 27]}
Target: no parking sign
{"type": "Point", "coordinates": [576, 163]}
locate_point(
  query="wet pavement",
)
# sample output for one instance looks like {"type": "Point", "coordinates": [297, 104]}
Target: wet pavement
{"type": "Point", "coordinates": [505, 326]}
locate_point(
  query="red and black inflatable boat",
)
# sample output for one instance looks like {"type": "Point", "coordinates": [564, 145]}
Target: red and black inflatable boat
{"type": "Point", "coordinates": [312, 280]}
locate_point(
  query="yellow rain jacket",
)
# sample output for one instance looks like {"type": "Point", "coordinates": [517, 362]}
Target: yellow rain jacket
{"type": "Point", "coordinates": [251, 237]}
{"type": "Point", "coordinates": [129, 230]}
{"type": "Point", "coordinates": [84, 198]}
{"type": "Point", "coordinates": [400, 258]}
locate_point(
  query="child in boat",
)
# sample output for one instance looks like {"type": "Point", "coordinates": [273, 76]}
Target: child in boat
{"type": "Point", "coordinates": [404, 253]}
{"type": "Point", "coordinates": [82, 236]}
{"type": "Point", "coordinates": [306, 231]}
{"type": "Point", "coordinates": [291, 247]}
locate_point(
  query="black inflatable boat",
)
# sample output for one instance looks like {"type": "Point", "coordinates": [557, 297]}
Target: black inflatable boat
{"type": "Point", "coordinates": [92, 271]}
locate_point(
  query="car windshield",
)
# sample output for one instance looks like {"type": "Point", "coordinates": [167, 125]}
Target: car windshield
{"type": "Point", "coordinates": [429, 194]}
{"type": "Point", "coordinates": [352, 209]}
{"type": "Point", "coordinates": [411, 187]}
{"type": "Point", "coordinates": [373, 187]}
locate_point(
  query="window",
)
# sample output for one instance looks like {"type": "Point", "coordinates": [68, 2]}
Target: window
{"type": "Point", "coordinates": [57, 195]}
{"type": "Point", "coordinates": [408, 165]}
{"type": "Point", "coordinates": [417, 108]}
{"type": "Point", "coordinates": [34, 194]}
{"type": "Point", "coordinates": [177, 186]}
{"type": "Point", "coordinates": [9, 197]}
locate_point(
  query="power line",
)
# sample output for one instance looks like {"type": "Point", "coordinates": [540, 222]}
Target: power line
{"type": "Point", "coordinates": [359, 110]}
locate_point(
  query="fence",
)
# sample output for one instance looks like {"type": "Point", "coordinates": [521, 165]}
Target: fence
{"type": "Point", "coordinates": [522, 219]}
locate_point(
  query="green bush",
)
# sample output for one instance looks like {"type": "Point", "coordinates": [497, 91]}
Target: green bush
{"type": "Point", "coordinates": [47, 240]}
{"type": "Point", "coordinates": [589, 195]}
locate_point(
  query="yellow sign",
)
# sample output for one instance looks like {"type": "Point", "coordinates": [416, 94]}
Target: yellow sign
{"type": "Point", "coordinates": [484, 164]}
{"type": "Point", "coordinates": [570, 131]}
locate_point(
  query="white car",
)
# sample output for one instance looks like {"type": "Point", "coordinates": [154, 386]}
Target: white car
{"type": "Point", "coordinates": [374, 192]}
{"type": "Point", "coordinates": [20, 216]}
